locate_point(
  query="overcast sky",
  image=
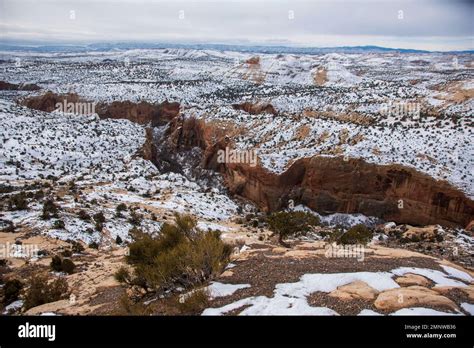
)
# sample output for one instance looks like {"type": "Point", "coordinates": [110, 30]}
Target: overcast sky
{"type": "Point", "coordinates": [422, 24]}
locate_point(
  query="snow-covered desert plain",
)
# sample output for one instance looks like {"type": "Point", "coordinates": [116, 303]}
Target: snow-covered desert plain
{"type": "Point", "coordinates": [414, 110]}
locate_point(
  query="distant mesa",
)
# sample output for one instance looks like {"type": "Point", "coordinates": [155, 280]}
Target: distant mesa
{"type": "Point", "coordinates": [253, 60]}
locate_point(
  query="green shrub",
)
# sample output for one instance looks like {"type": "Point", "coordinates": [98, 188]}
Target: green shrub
{"type": "Point", "coordinates": [68, 266]}
{"type": "Point", "coordinates": [129, 307]}
{"type": "Point", "coordinates": [59, 224]}
{"type": "Point", "coordinates": [18, 202]}
{"type": "Point", "coordinates": [50, 210]}
{"type": "Point", "coordinates": [135, 218]}
{"type": "Point", "coordinates": [43, 290]}
{"type": "Point", "coordinates": [194, 302]}
{"type": "Point", "coordinates": [335, 235]}
{"type": "Point", "coordinates": [99, 219]}
{"type": "Point", "coordinates": [181, 255]}
{"type": "Point", "coordinates": [358, 234]}
{"type": "Point", "coordinates": [121, 207]}
{"type": "Point", "coordinates": [83, 215]}
{"type": "Point", "coordinates": [62, 265]}
{"type": "Point", "coordinates": [56, 263]}
{"type": "Point", "coordinates": [122, 275]}
{"type": "Point", "coordinates": [11, 290]}
{"type": "Point", "coordinates": [94, 245]}
{"type": "Point", "coordinates": [291, 223]}
{"type": "Point", "coordinates": [77, 247]}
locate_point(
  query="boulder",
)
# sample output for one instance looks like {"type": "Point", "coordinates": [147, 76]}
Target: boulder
{"type": "Point", "coordinates": [412, 296]}
{"type": "Point", "coordinates": [355, 290]}
{"type": "Point", "coordinates": [412, 279]}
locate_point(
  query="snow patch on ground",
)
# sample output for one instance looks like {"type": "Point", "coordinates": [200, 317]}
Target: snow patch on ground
{"type": "Point", "coordinates": [468, 307]}
{"type": "Point", "coordinates": [217, 289]}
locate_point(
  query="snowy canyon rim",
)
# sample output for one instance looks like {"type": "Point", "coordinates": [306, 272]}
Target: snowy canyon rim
{"type": "Point", "coordinates": [325, 184]}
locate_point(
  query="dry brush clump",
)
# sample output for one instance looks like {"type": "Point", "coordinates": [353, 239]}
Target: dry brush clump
{"type": "Point", "coordinates": [181, 256]}
{"type": "Point", "coordinates": [42, 289]}
{"type": "Point", "coordinates": [357, 234]}
{"type": "Point", "coordinates": [291, 223]}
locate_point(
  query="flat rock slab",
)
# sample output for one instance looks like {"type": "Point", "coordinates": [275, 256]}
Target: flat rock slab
{"type": "Point", "coordinates": [468, 290]}
{"type": "Point", "coordinates": [410, 279]}
{"type": "Point", "coordinates": [355, 290]}
{"type": "Point", "coordinates": [412, 296]}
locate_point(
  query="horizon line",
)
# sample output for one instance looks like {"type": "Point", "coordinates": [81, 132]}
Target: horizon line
{"type": "Point", "coordinates": [43, 43]}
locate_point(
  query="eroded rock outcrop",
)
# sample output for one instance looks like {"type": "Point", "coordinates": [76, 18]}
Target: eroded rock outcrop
{"type": "Point", "coordinates": [413, 296]}
{"type": "Point", "coordinates": [255, 109]}
{"type": "Point", "coordinates": [141, 112]}
{"type": "Point", "coordinates": [332, 184]}
{"type": "Point", "coordinates": [48, 101]}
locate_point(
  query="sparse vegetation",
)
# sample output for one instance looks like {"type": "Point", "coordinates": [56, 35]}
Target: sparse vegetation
{"type": "Point", "coordinates": [120, 209]}
{"type": "Point", "coordinates": [82, 214]}
{"type": "Point", "coordinates": [11, 290]}
{"type": "Point", "coordinates": [182, 255]}
{"type": "Point", "coordinates": [290, 223]}
{"type": "Point", "coordinates": [62, 265]}
{"type": "Point", "coordinates": [43, 290]}
{"type": "Point", "coordinates": [99, 219]}
{"type": "Point", "coordinates": [358, 234]}
{"type": "Point", "coordinates": [135, 218]}
{"type": "Point", "coordinates": [194, 302]}
{"type": "Point", "coordinates": [18, 201]}
{"type": "Point", "coordinates": [50, 210]}
{"type": "Point", "coordinates": [59, 224]}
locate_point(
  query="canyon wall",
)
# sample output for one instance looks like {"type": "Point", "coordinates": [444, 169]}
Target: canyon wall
{"type": "Point", "coordinates": [331, 184]}
{"type": "Point", "coordinates": [141, 112]}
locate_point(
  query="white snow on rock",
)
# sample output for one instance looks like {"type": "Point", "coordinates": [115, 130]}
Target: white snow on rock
{"type": "Point", "coordinates": [440, 278]}
{"type": "Point", "coordinates": [468, 307]}
{"type": "Point", "coordinates": [291, 298]}
{"type": "Point", "coordinates": [455, 273]}
{"type": "Point", "coordinates": [279, 305]}
{"type": "Point", "coordinates": [217, 289]}
{"type": "Point", "coordinates": [12, 307]}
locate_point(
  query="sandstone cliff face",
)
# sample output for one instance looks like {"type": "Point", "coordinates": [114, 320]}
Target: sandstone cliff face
{"type": "Point", "coordinates": [332, 184]}
{"type": "Point", "coordinates": [47, 102]}
{"type": "Point", "coordinates": [142, 112]}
